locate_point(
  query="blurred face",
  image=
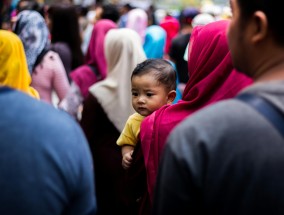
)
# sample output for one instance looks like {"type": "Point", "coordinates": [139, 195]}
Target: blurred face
{"type": "Point", "coordinates": [236, 39]}
{"type": "Point", "coordinates": [148, 94]}
{"type": "Point", "coordinates": [99, 11]}
{"type": "Point", "coordinates": [48, 22]}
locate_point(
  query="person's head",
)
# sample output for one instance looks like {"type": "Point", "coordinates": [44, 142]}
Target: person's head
{"type": "Point", "coordinates": [95, 54]}
{"type": "Point", "coordinates": [123, 51]}
{"type": "Point", "coordinates": [187, 15]}
{"type": "Point", "coordinates": [153, 85]}
{"type": "Point", "coordinates": [255, 35]}
{"type": "Point", "coordinates": [111, 12]}
{"type": "Point", "coordinates": [211, 72]}
{"type": "Point", "coordinates": [202, 19]}
{"type": "Point", "coordinates": [30, 5]}
{"type": "Point", "coordinates": [138, 21]}
{"type": "Point", "coordinates": [64, 27]}
{"type": "Point", "coordinates": [33, 31]}
{"type": "Point", "coordinates": [14, 71]}
{"type": "Point", "coordinates": [125, 8]}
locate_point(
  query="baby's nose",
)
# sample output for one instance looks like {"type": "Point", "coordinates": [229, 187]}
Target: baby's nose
{"type": "Point", "coordinates": [141, 99]}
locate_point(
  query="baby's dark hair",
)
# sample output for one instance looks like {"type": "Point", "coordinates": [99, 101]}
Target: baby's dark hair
{"type": "Point", "coordinates": [162, 70]}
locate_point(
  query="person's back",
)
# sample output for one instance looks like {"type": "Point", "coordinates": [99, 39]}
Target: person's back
{"type": "Point", "coordinates": [232, 168]}
{"type": "Point", "coordinates": [45, 66]}
{"type": "Point", "coordinates": [228, 158]}
{"type": "Point", "coordinates": [65, 32]}
{"type": "Point", "coordinates": [213, 79]}
{"type": "Point", "coordinates": [49, 76]}
{"type": "Point", "coordinates": [105, 112]}
{"type": "Point", "coordinates": [45, 163]}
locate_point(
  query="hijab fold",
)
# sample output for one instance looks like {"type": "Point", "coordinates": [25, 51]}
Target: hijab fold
{"type": "Point", "coordinates": [123, 51]}
{"type": "Point", "coordinates": [14, 71]}
{"type": "Point", "coordinates": [95, 54]}
{"type": "Point", "coordinates": [95, 68]}
{"type": "Point", "coordinates": [33, 31]}
{"type": "Point", "coordinates": [155, 41]}
{"type": "Point", "coordinates": [212, 78]}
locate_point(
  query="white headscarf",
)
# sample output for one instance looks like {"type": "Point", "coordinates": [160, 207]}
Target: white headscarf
{"type": "Point", "coordinates": [123, 51]}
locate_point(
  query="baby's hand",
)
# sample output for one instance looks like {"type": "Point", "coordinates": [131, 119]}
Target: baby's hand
{"type": "Point", "coordinates": [127, 160]}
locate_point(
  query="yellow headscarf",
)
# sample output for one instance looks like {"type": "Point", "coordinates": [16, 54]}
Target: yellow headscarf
{"type": "Point", "coordinates": [14, 71]}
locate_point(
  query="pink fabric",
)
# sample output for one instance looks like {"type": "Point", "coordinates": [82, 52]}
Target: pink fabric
{"type": "Point", "coordinates": [95, 55]}
{"type": "Point", "coordinates": [212, 78]}
{"type": "Point", "coordinates": [83, 76]}
{"type": "Point", "coordinates": [50, 75]}
{"type": "Point", "coordinates": [171, 26]}
{"type": "Point", "coordinates": [137, 20]}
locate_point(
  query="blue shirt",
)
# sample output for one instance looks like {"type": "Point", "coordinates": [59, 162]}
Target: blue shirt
{"type": "Point", "coordinates": [45, 163]}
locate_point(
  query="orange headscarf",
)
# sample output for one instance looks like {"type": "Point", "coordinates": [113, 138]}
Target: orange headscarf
{"type": "Point", "coordinates": [14, 71]}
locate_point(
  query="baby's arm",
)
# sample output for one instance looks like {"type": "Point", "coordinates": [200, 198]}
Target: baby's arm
{"type": "Point", "coordinates": [126, 151]}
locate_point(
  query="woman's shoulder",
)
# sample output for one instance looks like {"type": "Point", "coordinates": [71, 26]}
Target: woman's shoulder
{"type": "Point", "coordinates": [52, 60]}
{"type": "Point", "coordinates": [61, 47]}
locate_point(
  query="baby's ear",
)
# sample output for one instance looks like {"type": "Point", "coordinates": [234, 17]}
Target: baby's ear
{"type": "Point", "coordinates": [171, 96]}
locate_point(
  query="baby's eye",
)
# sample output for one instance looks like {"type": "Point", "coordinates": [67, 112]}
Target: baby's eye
{"type": "Point", "coordinates": [134, 94]}
{"type": "Point", "coordinates": [149, 94]}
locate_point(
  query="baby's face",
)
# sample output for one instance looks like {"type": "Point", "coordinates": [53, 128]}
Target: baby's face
{"type": "Point", "coordinates": [148, 94]}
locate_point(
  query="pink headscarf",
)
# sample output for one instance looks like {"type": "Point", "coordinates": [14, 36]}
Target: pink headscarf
{"type": "Point", "coordinates": [171, 26]}
{"type": "Point", "coordinates": [137, 20]}
{"type": "Point", "coordinates": [212, 78]}
{"type": "Point", "coordinates": [84, 76]}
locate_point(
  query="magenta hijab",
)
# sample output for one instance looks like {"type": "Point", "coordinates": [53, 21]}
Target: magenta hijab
{"type": "Point", "coordinates": [212, 78]}
{"type": "Point", "coordinates": [95, 68]}
{"type": "Point", "coordinates": [95, 55]}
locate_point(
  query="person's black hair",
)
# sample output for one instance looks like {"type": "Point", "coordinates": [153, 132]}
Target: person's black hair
{"type": "Point", "coordinates": [128, 6]}
{"type": "Point", "coordinates": [272, 9]}
{"type": "Point", "coordinates": [110, 11]}
{"type": "Point", "coordinates": [31, 5]}
{"type": "Point", "coordinates": [187, 15]}
{"type": "Point", "coordinates": [162, 70]}
{"type": "Point", "coordinates": [65, 28]}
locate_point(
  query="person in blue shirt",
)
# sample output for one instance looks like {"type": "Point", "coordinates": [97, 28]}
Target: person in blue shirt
{"type": "Point", "coordinates": [45, 162]}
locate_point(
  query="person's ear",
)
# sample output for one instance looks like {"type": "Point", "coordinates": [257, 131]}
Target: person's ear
{"type": "Point", "coordinates": [171, 96]}
{"type": "Point", "coordinates": [259, 27]}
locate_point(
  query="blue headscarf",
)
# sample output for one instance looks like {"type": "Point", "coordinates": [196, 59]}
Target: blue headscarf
{"type": "Point", "coordinates": [33, 31]}
{"type": "Point", "coordinates": [155, 41]}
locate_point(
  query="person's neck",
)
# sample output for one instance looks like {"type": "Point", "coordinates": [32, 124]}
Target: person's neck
{"type": "Point", "coordinates": [269, 66]}
{"type": "Point", "coordinates": [186, 30]}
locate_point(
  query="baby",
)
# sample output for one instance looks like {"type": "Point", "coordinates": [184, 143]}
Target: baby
{"type": "Point", "coordinates": [153, 85]}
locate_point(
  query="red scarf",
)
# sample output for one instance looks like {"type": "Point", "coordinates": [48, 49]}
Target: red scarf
{"type": "Point", "coordinates": [171, 26]}
{"type": "Point", "coordinates": [212, 78]}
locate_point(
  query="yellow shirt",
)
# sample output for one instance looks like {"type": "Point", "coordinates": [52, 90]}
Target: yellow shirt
{"type": "Point", "coordinates": [129, 135]}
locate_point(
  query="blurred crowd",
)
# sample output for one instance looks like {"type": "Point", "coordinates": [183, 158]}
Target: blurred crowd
{"type": "Point", "coordinates": [123, 109]}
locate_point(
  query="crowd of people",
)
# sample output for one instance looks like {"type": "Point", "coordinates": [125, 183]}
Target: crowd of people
{"type": "Point", "coordinates": [111, 109]}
